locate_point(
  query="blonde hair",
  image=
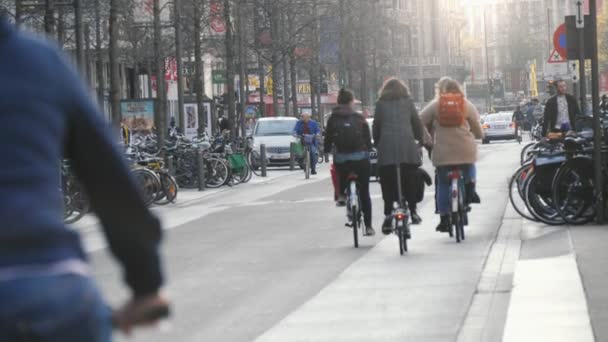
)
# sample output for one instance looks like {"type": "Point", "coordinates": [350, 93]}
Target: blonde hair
{"type": "Point", "coordinates": [448, 85]}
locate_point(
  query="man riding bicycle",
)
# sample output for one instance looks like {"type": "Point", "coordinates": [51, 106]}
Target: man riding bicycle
{"type": "Point", "coordinates": [308, 130]}
{"type": "Point", "coordinates": [349, 133]}
{"type": "Point", "coordinates": [454, 121]}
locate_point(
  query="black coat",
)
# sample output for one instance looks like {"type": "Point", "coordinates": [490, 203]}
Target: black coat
{"type": "Point", "coordinates": [550, 115]}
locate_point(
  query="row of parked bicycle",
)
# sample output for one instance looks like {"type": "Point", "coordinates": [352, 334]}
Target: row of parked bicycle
{"type": "Point", "coordinates": [225, 164]}
{"type": "Point", "coordinates": [555, 182]}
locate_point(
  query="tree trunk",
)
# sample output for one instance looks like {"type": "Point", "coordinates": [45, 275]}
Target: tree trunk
{"type": "Point", "coordinates": [292, 64]}
{"type": "Point", "coordinates": [87, 53]}
{"type": "Point", "coordinates": [261, 72]}
{"type": "Point", "coordinates": [18, 12]}
{"type": "Point", "coordinates": [198, 67]}
{"type": "Point", "coordinates": [242, 66]}
{"type": "Point", "coordinates": [230, 65]}
{"type": "Point", "coordinates": [274, 32]}
{"type": "Point", "coordinates": [284, 63]}
{"type": "Point", "coordinates": [137, 82]}
{"type": "Point", "coordinates": [179, 61]}
{"type": "Point", "coordinates": [101, 84]}
{"type": "Point", "coordinates": [160, 111]}
{"type": "Point", "coordinates": [49, 17]}
{"type": "Point", "coordinates": [60, 29]}
{"type": "Point", "coordinates": [78, 35]}
{"type": "Point", "coordinates": [114, 75]}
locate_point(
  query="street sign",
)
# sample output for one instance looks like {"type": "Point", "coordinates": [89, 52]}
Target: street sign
{"type": "Point", "coordinates": [559, 40]}
{"type": "Point", "coordinates": [572, 68]}
{"type": "Point", "coordinates": [579, 12]}
{"type": "Point", "coordinates": [218, 76]}
{"type": "Point", "coordinates": [556, 70]}
{"type": "Point", "coordinates": [555, 57]}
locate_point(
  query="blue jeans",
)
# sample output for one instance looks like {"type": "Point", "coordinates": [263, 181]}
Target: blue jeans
{"type": "Point", "coordinates": [442, 192]}
{"type": "Point", "coordinates": [66, 308]}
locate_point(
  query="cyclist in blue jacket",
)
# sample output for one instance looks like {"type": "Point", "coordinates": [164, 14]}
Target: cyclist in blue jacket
{"type": "Point", "coordinates": [308, 127]}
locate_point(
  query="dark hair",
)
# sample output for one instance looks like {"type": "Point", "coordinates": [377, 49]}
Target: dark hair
{"type": "Point", "coordinates": [394, 89]}
{"type": "Point", "coordinates": [345, 96]}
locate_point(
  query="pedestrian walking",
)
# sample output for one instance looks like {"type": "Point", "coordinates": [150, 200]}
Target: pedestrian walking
{"type": "Point", "coordinates": [561, 111]}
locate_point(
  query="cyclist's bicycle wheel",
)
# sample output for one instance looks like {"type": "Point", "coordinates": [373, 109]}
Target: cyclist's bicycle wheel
{"type": "Point", "coordinates": [355, 222]}
{"type": "Point", "coordinates": [402, 239]}
{"type": "Point", "coordinates": [307, 163]}
{"type": "Point", "coordinates": [517, 191]}
{"type": "Point", "coordinates": [458, 225]}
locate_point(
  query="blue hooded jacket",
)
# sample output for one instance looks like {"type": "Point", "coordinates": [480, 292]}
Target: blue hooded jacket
{"type": "Point", "coordinates": [47, 114]}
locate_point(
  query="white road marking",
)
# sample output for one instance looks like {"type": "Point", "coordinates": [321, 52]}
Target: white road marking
{"type": "Point", "coordinates": [548, 302]}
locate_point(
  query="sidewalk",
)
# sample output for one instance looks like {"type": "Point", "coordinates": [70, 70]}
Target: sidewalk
{"type": "Point", "coordinates": [541, 283]}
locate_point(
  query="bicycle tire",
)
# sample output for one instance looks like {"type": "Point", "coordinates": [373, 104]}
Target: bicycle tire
{"type": "Point", "coordinates": [355, 222]}
{"type": "Point", "coordinates": [253, 161]}
{"type": "Point", "coordinates": [307, 163]}
{"type": "Point", "coordinates": [218, 172]}
{"type": "Point", "coordinates": [523, 157]}
{"type": "Point", "coordinates": [564, 191]}
{"type": "Point", "coordinates": [516, 192]}
{"type": "Point", "coordinates": [405, 238]}
{"type": "Point", "coordinates": [401, 236]}
{"type": "Point", "coordinates": [455, 223]}
{"type": "Point", "coordinates": [169, 189]}
{"type": "Point", "coordinates": [540, 206]}
{"type": "Point", "coordinates": [148, 183]}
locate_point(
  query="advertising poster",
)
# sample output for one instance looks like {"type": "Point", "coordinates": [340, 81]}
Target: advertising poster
{"type": "Point", "coordinates": [138, 115]}
{"type": "Point", "coordinates": [191, 120]}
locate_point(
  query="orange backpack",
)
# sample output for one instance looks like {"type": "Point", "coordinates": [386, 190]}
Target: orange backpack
{"type": "Point", "coordinates": [452, 110]}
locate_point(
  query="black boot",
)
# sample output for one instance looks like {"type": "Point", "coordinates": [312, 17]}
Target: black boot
{"type": "Point", "coordinates": [472, 196]}
{"type": "Point", "coordinates": [444, 225]}
{"type": "Point", "coordinates": [387, 225]}
{"type": "Point", "coordinates": [415, 218]}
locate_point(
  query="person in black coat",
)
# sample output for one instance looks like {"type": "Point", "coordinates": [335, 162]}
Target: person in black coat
{"type": "Point", "coordinates": [561, 111]}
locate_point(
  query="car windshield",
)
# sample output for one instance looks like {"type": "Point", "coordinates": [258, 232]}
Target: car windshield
{"type": "Point", "coordinates": [274, 127]}
{"type": "Point", "coordinates": [498, 117]}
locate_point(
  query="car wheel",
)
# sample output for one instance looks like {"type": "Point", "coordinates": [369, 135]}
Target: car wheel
{"type": "Point", "coordinates": [485, 141]}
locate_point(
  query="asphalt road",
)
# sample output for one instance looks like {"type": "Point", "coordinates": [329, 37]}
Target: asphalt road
{"type": "Point", "coordinates": [261, 265]}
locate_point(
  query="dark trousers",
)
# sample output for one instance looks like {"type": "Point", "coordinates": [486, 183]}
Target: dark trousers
{"type": "Point", "coordinates": [388, 182]}
{"type": "Point", "coordinates": [362, 169]}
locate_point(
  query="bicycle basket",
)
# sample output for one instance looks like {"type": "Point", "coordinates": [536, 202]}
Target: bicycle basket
{"type": "Point", "coordinates": [237, 161]}
{"type": "Point", "coordinates": [308, 139]}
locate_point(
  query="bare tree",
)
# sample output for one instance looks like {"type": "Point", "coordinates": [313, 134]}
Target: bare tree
{"type": "Point", "coordinates": [229, 43]}
{"type": "Point", "coordinates": [114, 75]}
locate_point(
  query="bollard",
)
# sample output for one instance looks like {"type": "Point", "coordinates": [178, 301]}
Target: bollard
{"type": "Point", "coordinates": [171, 165]}
{"type": "Point", "coordinates": [201, 171]}
{"type": "Point", "coordinates": [326, 157]}
{"type": "Point", "coordinates": [292, 156]}
{"type": "Point", "coordinates": [263, 159]}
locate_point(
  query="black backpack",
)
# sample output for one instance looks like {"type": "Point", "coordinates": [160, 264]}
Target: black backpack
{"type": "Point", "coordinates": [348, 133]}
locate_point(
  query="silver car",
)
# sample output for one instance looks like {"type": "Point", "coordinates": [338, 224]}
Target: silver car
{"type": "Point", "coordinates": [277, 135]}
{"type": "Point", "coordinates": [498, 126]}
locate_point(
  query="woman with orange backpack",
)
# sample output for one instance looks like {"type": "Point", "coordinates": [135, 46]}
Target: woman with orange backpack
{"type": "Point", "coordinates": [454, 123]}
